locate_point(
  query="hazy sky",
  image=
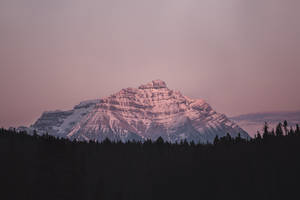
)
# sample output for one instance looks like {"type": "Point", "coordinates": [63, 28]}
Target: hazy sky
{"type": "Point", "coordinates": [240, 55]}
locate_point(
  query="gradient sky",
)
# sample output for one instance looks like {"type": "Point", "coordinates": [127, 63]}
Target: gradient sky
{"type": "Point", "coordinates": [240, 55]}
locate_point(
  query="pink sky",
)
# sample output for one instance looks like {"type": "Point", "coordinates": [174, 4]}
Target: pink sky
{"type": "Point", "coordinates": [241, 56]}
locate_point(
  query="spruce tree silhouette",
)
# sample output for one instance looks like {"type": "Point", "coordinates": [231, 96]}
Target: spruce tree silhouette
{"type": "Point", "coordinates": [285, 126]}
{"type": "Point", "coordinates": [297, 131]}
{"type": "Point", "coordinates": [216, 140]}
{"type": "Point", "coordinates": [266, 133]}
{"type": "Point", "coordinates": [279, 131]}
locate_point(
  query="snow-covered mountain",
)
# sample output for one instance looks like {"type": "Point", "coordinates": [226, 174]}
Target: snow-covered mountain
{"type": "Point", "coordinates": [147, 112]}
{"type": "Point", "coordinates": [255, 121]}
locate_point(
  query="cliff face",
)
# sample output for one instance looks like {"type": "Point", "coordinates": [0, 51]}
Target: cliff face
{"type": "Point", "coordinates": [148, 112]}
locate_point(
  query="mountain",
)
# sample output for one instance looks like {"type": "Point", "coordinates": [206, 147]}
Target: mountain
{"type": "Point", "coordinates": [147, 112]}
{"type": "Point", "coordinates": [255, 121]}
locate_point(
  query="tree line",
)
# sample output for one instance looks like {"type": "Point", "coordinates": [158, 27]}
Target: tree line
{"type": "Point", "coordinates": [44, 167]}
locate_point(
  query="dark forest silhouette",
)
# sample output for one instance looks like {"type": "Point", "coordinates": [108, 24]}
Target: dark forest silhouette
{"type": "Point", "coordinates": [44, 167]}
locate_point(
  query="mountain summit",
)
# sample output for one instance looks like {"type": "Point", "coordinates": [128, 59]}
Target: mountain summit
{"type": "Point", "coordinates": [147, 112]}
{"type": "Point", "coordinates": [154, 85]}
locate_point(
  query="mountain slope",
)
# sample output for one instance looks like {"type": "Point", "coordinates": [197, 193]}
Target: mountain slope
{"type": "Point", "coordinates": [147, 112]}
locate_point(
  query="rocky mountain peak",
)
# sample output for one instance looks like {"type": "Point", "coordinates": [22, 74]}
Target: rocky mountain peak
{"type": "Point", "coordinates": [155, 84]}
{"type": "Point", "coordinates": [149, 112]}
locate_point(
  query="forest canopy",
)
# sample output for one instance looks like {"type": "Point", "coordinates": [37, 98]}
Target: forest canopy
{"type": "Point", "coordinates": [44, 167]}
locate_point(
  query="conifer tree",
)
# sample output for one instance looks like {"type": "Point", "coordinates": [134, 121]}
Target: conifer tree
{"type": "Point", "coordinates": [297, 131]}
{"type": "Point", "coordinates": [279, 131]}
{"type": "Point", "coordinates": [285, 126]}
{"type": "Point", "coordinates": [258, 136]}
{"type": "Point", "coordinates": [160, 140]}
{"type": "Point", "coordinates": [266, 130]}
{"type": "Point", "coordinates": [216, 140]}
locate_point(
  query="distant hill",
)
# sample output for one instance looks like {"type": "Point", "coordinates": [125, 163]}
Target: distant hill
{"type": "Point", "coordinates": [255, 121]}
